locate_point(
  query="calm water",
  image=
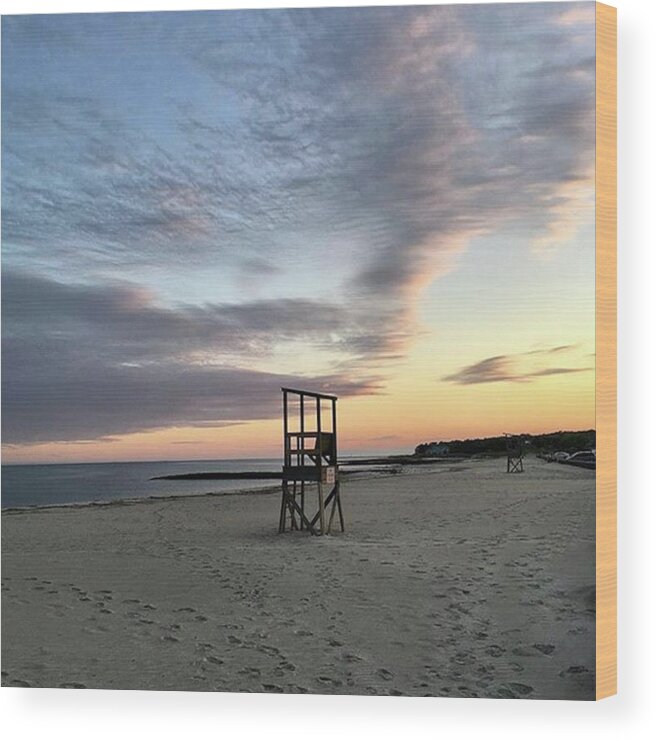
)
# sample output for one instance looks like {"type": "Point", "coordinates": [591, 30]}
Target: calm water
{"type": "Point", "coordinates": [44, 485]}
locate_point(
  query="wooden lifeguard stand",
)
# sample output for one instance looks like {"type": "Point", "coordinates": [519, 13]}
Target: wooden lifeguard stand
{"type": "Point", "coordinates": [310, 459]}
{"type": "Point", "coordinates": [515, 453]}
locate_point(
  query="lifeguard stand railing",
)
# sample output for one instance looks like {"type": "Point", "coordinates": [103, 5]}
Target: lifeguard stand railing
{"type": "Point", "coordinates": [310, 461]}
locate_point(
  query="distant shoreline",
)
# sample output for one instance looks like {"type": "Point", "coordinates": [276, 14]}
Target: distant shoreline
{"type": "Point", "coordinates": [134, 501]}
{"type": "Point", "coordinates": [277, 475]}
{"type": "Point", "coordinates": [378, 467]}
{"type": "Point", "coordinates": [244, 475]}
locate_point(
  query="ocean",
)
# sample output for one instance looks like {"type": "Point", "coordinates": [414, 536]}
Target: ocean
{"type": "Point", "coordinates": [56, 484]}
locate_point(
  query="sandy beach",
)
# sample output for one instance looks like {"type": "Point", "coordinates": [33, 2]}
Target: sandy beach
{"type": "Point", "coordinates": [458, 580]}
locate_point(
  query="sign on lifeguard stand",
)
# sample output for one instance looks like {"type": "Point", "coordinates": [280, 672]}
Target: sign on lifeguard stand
{"type": "Point", "coordinates": [328, 475]}
{"type": "Point", "coordinates": [310, 461]}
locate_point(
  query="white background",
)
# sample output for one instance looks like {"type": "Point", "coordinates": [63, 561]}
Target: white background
{"type": "Point", "coordinates": [57, 714]}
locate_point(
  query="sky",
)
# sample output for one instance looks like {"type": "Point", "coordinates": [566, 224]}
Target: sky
{"type": "Point", "coordinates": [394, 205]}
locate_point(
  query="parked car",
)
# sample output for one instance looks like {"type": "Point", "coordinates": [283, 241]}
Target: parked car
{"type": "Point", "coordinates": [584, 456]}
{"type": "Point", "coordinates": [560, 456]}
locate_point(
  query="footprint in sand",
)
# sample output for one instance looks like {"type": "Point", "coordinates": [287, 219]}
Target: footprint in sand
{"type": "Point", "coordinates": [574, 670]}
{"type": "Point", "coordinates": [467, 692]}
{"type": "Point", "coordinates": [327, 680]}
{"type": "Point", "coordinates": [268, 649]}
{"type": "Point", "coordinates": [513, 690]}
{"type": "Point", "coordinates": [526, 651]}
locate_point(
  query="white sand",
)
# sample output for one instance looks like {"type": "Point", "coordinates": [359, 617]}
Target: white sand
{"type": "Point", "coordinates": [461, 581]}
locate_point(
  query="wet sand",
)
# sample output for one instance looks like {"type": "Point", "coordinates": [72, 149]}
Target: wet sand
{"type": "Point", "coordinates": [458, 580]}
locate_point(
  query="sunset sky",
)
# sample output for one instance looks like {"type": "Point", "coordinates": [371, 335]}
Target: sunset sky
{"type": "Point", "coordinates": [395, 205]}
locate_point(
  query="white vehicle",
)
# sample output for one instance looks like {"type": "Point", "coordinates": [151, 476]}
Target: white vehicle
{"type": "Point", "coordinates": [586, 456]}
{"type": "Point", "coordinates": [560, 456]}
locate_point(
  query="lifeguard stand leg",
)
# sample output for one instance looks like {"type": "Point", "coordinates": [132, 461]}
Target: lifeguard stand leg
{"type": "Point", "coordinates": [283, 511]}
{"type": "Point", "coordinates": [339, 507]}
{"type": "Point", "coordinates": [322, 515]}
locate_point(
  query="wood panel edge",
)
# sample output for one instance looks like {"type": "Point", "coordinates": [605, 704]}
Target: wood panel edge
{"type": "Point", "coordinates": [606, 349]}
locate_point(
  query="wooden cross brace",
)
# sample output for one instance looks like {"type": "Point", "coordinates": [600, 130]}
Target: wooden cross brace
{"type": "Point", "coordinates": [289, 505]}
{"type": "Point", "coordinates": [515, 465]}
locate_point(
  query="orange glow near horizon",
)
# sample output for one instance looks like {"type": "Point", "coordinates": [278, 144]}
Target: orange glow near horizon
{"type": "Point", "coordinates": [412, 410]}
{"type": "Point", "coordinates": [547, 356]}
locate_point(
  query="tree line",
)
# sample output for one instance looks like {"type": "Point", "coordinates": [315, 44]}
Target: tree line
{"type": "Point", "coordinates": [551, 442]}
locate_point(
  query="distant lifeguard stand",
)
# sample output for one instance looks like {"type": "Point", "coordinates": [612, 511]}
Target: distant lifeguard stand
{"type": "Point", "coordinates": [515, 452]}
{"type": "Point", "coordinates": [310, 459]}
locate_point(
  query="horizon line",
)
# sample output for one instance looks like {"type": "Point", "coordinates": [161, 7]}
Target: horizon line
{"type": "Point", "coordinates": [260, 457]}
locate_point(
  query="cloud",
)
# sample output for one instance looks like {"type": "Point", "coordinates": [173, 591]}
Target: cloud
{"type": "Point", "coordinates": [82, 362]}
{"type": "Point", "coordinates": [552, 350]}
{"type": "Point", "coordinates": [562, 348]}
{"type": "Point", "coordinates": [257, 266]}
{"type": "Point", "coordinates": [87, 400]}
{"type": "Point", "coordinates": [128, 315]}
{"type": "Point", "coordinates": [311, 125]}
{"type": "Point", "coordinates": [510, 368]}
{"type": "Point", "coordinates": [556, 371]}
{"type": "Point", "coordinates": [582, 13]}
